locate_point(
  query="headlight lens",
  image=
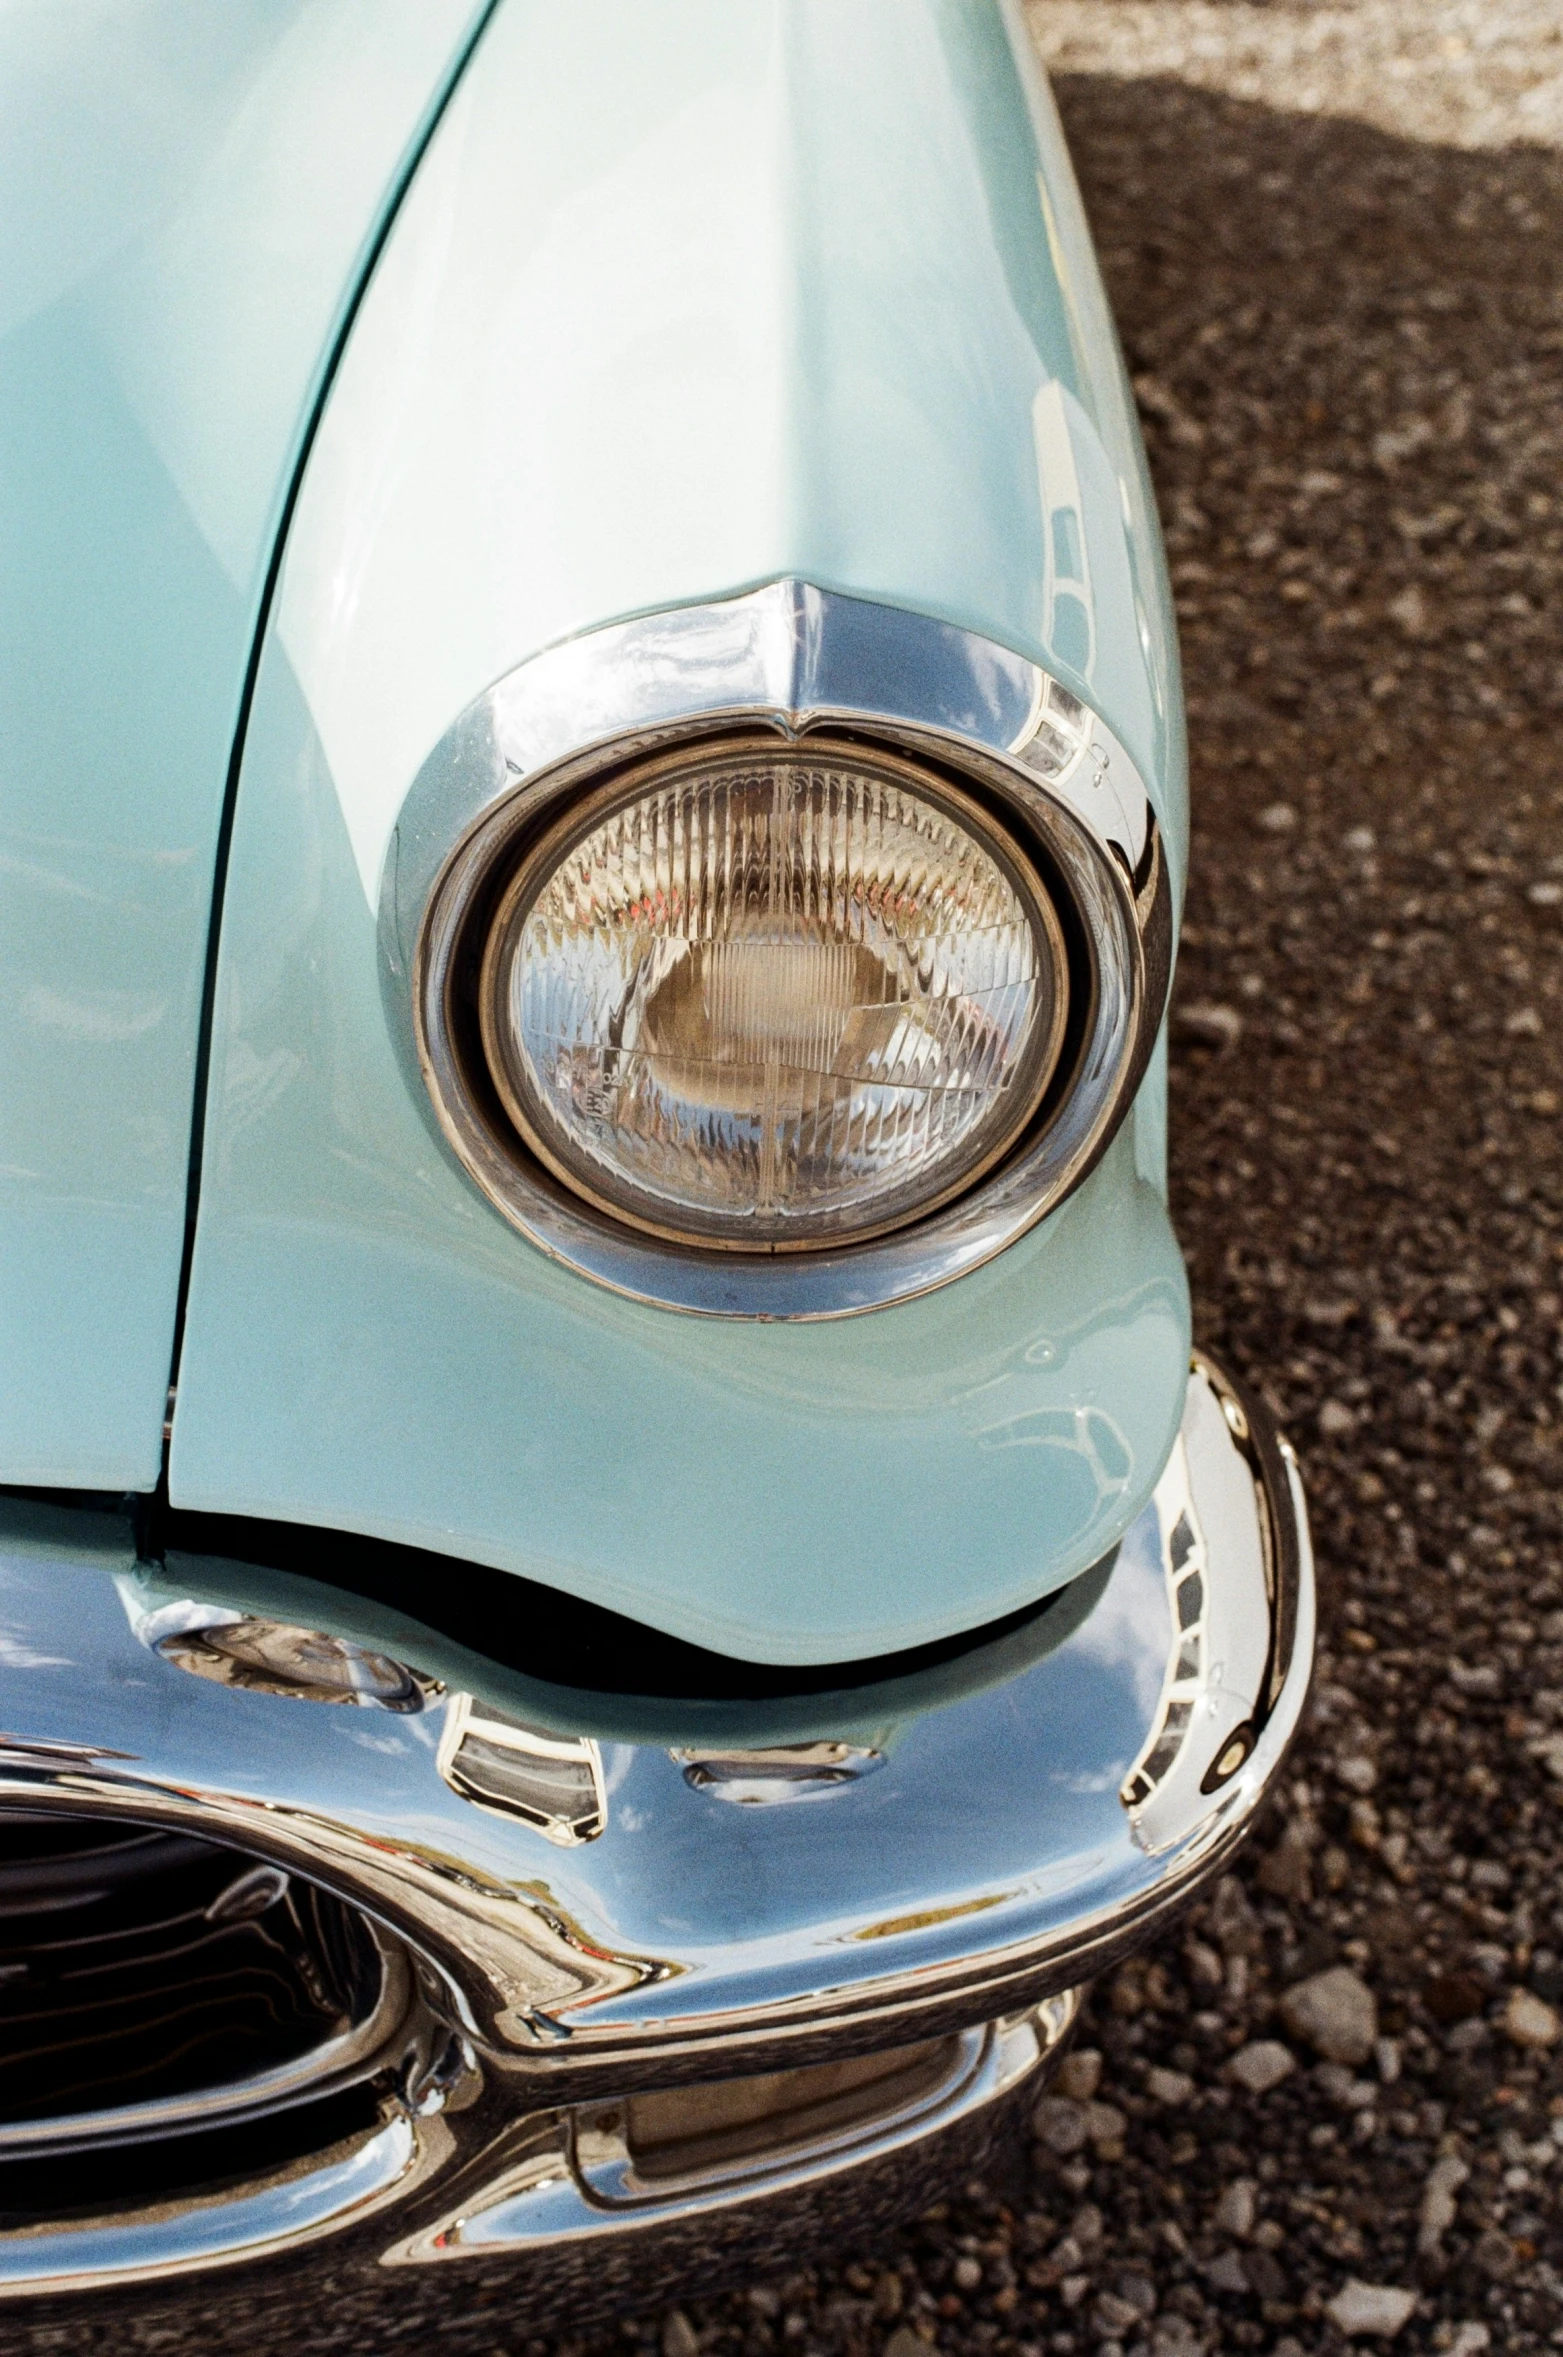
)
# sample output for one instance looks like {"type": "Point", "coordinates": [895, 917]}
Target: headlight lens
{"type": "Point", "coordinates": [773, 996]}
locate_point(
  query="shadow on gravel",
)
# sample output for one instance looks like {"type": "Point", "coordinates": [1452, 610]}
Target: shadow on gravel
{"type": "Point", "coordinates": [1350, 358]}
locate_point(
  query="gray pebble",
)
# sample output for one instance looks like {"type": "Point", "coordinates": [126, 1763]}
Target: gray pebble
{"type": "Point", "coordinates": [1335, 2013]}
{"type": "Point", "coordinates": [1261, 2065]}
{"type": "Point", "coordinates": [1060, 2124]}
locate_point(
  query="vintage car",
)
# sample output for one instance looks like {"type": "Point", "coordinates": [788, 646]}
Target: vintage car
{"type": "Point", "coordinates": [618, 1578]}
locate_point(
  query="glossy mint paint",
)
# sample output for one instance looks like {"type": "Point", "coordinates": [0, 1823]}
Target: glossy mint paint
{"type": "Point", "coordinates": [680, 300]}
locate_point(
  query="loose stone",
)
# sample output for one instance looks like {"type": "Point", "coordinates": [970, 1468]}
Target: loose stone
{"type": "Point", "coordinates": [1079, 2074]}
{"type": "Point", "coordinates": [1437, 2214]}
{"type": "Point", "coordinates": [1114, 2315]}
{"type": "Point", "coordinates": [679, 2337]}
{"type": "Point", "coordinates": [1494, 2254]}
{"type": "Point", "coordinates": [1210, 1025]}
{"type": "Point", "coordinates": [1060, 2124]}
{"type": "Point", "coordinates": [1234, 2212]}
{"type": "Point", "coordinates": [1335, 2013]}
{"type": "Point", "coordinates": [1380, 2308]}
{"type": "Point", "coordinates": [1260, 2065]}
{"type": "Point", "coordinates": [1529, 2021]}
{"type": "Point", "coordinates": [1105, 2127]}
{"type": "Point", "coordinates": [1228, 2274]}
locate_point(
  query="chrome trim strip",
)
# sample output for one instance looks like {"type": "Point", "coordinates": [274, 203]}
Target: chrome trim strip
{"type": "Point", "coordinates": [570, 2176]}
{"type": "Point", "coordinates": [798, 660]}
{"type": "Point", "coordinates": [989, 1850]}
{"type": "Point", "coordinates": [604, 2162]}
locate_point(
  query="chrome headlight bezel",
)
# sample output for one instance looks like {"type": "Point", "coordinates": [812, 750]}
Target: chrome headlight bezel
{"type": "Point", "coordinates": [798, 664]}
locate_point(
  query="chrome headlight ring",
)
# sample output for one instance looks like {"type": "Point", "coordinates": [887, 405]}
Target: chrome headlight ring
{"type": "Point", "coordinates": [802, 664]}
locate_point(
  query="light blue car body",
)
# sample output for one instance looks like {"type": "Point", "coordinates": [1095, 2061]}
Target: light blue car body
{"type": "Point", "coordinates": [674, 302]}
{"type": "Point", "coordinates": [188, 199]}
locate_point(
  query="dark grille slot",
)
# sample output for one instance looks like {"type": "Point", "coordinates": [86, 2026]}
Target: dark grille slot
{"type": "Point", "coordinates": [88, 2185]}
{"type": "Point", "coordinates": [138, 1966]}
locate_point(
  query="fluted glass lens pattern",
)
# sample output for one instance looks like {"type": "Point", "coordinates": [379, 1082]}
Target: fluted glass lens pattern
{"type": "Point", "coordinates": [774, 999]}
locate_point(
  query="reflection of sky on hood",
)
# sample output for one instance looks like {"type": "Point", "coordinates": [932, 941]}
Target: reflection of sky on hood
{"type": "Point", "coordinates": [17, 1654]}
{"type": "Point", "coordinates": [1134, 1605]}
{"type": "Point", "coordinates": [1064, 1732]}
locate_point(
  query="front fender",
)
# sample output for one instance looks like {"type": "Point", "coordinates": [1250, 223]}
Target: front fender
{"type": "Point", "coordinates": [679, 302]}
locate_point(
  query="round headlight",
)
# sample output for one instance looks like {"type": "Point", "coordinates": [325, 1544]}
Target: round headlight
{"type": "Point", "coordinates": [769, 997]}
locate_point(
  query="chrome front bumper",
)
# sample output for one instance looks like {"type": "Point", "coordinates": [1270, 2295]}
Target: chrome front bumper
{"type": "Point", "coordinates": [631, 1953]}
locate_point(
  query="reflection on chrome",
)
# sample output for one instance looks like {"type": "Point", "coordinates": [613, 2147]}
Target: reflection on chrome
{"type": "Point", "coordinates": [552, 1782]}
{"type": "Point", "coordinates": [1185, 1684]}
{"type": "Point", "coordinates": [282, 2212]}
{"type": "Point", "coordinates": [1219, 1680]}
{"type": "Point", "coordinates": [785, 1772]}
{"type": "Point", "coordinates": [651, 2160]}
{"type": "Point", "coordinates": [158, 1985]}
{"type": "Point", "coordinates": [272, 1657]}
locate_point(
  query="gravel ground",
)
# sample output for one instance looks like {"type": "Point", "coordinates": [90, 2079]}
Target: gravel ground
{"type": "Point", "coordinates": [1348, 351]}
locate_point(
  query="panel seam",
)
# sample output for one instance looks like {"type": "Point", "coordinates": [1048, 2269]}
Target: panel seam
{"type": "Point", "coordinates": [407, 173]}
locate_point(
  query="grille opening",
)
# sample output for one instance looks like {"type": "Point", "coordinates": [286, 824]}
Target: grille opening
{"type": "Point", "coordinates": [85, 2185]}
{"type": "Point", "coordinates": [145, 1972]}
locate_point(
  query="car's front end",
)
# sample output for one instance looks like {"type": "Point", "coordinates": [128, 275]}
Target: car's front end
{"type": "Point", "coordinates": [688, 1592]}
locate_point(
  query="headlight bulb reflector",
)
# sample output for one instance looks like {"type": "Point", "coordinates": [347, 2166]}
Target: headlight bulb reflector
{"type": "Point", "coordinates": [769, 997]}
